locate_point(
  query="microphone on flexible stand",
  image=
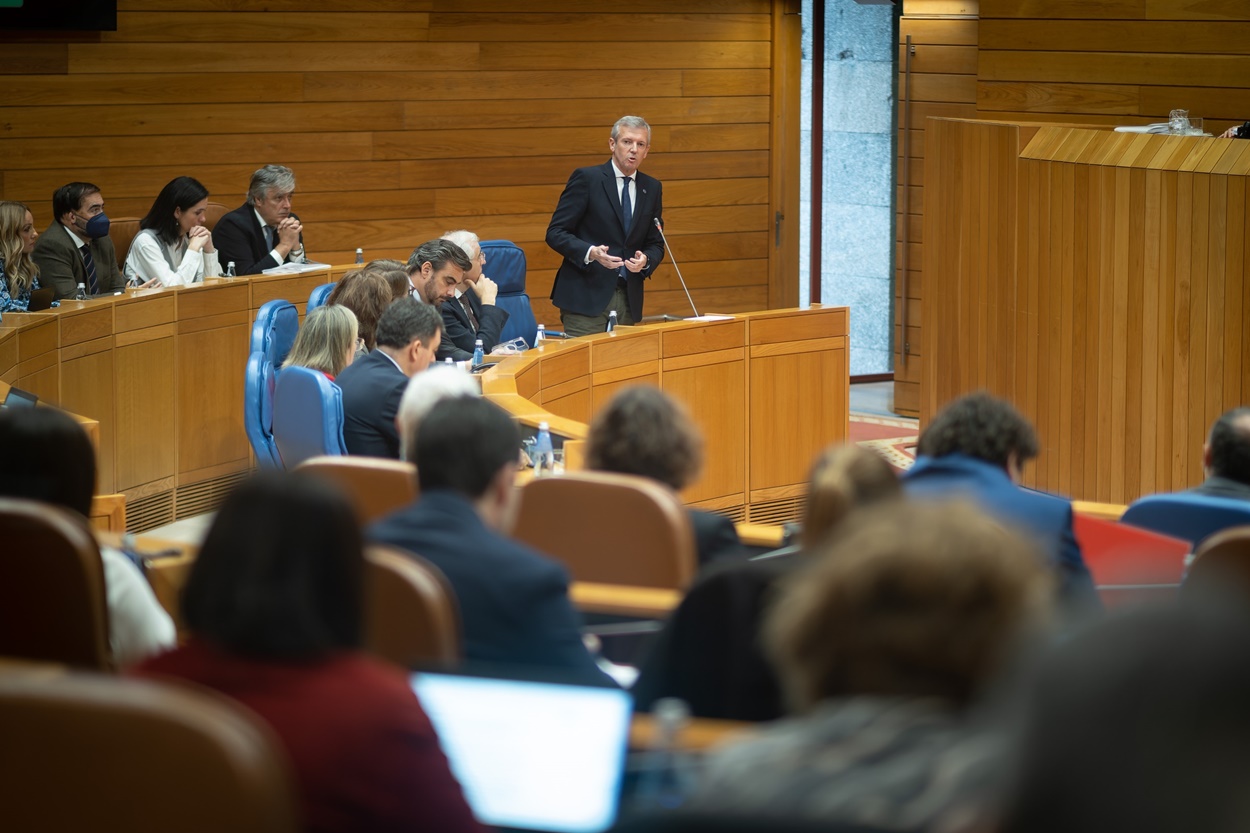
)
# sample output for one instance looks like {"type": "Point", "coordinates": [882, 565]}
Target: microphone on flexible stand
{"type": "Point", "coordinates": [675, 266]}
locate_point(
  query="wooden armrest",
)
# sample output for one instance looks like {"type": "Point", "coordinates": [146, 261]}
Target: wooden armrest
{"type": "Point", "coordinates": [624, 600]}
{"type": "Point", "coordinates": [1105, 511]}
{"type": "Point", "coordinates": [761, 535]}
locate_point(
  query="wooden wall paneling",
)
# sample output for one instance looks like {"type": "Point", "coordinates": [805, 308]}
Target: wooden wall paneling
{"type": "Point", "coordinates": [144, 361]}
{"type": "Point", "coordinates": [87, 378]}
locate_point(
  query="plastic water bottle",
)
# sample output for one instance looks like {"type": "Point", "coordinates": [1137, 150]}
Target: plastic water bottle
{"type": "Point", "coordinates": [449, 361]}
{"type": "Point", "coordinates": [360, 255]}
{"type": "Point", "coordinates": [544, 455]}
{"type": "Point", "coordinates": [540, 337]}
{"type": "Point", "coordinates": [81, 294]}
{"type": "Point", "coordinates": [667, 779]}
{"type": "Point", "coordinates": [229, 271]}
{"type": "Point", "coordinates": [611, 321]}
{"type": "Point", "coordinates": [479, 355]}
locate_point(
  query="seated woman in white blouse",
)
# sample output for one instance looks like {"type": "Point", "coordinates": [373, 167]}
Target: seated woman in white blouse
{"type": "Point", "coordinates": [173, 248]}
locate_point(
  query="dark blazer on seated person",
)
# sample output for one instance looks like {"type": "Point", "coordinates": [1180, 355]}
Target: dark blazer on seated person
{"type": "Point", "coordinates": [240, 239]}
{"type": "Point", "coordinates": [1215, 486]}
{"type": "Point", "coordinates": [458, 333]}
{"type": "Point", "coordinates": [61, 265]}
{"type": "Point", "coordinates": [1046, 518]}
{"type": "Point", "coordinates": [715, 536]}
{"type": "Point", "coordinates": [372, 387]}
{"type": "Point", "coordinates": [514, 602]}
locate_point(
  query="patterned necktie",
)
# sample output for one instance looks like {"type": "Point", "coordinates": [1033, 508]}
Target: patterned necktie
{"type": "Point", "coordinates": [468, 310]}
{"type": "Point", "coordinates": [93, 280]}
{"type": "Point", "coordinates": [627, 214]}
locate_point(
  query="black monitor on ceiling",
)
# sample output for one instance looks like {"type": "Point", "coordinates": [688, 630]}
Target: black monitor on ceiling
{"type": "Point", "coordinates": [74, 15]}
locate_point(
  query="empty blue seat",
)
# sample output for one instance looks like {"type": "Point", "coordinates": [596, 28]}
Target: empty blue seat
{"type": "Point", "coordinates": [274, 330]}
{"type": "Point", "coordinates": [258, 410]}
{"type": "Point", "coordinates": [318, 296]}
{"type": "Point", "coordinates": [505, 265]}
{"type": "Point", "coordinates": [307, 416]}
{"type": "Point", "coordinates": [1187, 515]}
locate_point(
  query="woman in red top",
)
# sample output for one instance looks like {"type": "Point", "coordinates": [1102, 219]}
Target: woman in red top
{"type": "Point", "coordinates": [274, 606]}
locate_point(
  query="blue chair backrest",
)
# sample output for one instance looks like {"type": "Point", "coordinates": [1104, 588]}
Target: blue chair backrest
{"type": "Point", "coordinates": [505, 265]}
{"type": "Point", "coordinates": [1187, 515]}
{"type": "Point", "coordinates": [274, 331]}
{"type": "Point", "coordinates": [258, 410]}
{"type": "Point", "coordinates": [318, 296]}
{"type": "Point", "coordinates": [307, 416]}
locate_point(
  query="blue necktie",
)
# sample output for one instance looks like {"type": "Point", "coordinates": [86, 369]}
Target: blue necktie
{"type": "Point", "coordinates": [93, 280]}
{"type": "Point", "coordinates": [627, 214]}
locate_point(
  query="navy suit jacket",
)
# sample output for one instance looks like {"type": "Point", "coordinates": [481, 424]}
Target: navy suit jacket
{"type": "Point", "coordinates": [1046, 519]}
{"type": "Point", "coordinates": [458, 333]}
{"type": "Point", "coordinates": [715, 536]}
{"type": "Point", "coordinates": [372, 387]}
{"type": "Point", "coordinates": [514, 602]}
{"type": "Point", "coordinates": [240, 239]}
{"type": "Point", "coordinates": [589, 214]}
{"type": "Point", "coordinates": [1215, 486]}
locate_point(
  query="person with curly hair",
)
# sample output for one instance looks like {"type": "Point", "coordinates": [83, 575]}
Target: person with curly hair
{"type": "Point", "coordinates": [644, 431]}
{"type": "Point", "coordinates": [976, 447]}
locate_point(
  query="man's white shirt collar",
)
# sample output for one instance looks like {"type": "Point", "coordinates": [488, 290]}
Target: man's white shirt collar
{"type": "Point", "coordinates": [78, 241]}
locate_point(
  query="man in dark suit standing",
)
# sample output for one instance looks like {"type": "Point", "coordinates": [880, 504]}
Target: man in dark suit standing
{"type": "Point", "coordinates": [604, 226]}
{"type": "Point", "coordinates": [407, 335]}
{"type": "Point", "coordinates": [514, 602]}
{"type": "Point", "coordinates": [472, 314]}
{"type": "Point", "coordinates": [262, 233]}
{"type": "Point", "coordinates": [76, 248]}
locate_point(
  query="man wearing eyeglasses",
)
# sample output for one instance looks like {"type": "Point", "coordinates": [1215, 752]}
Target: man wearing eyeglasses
{"type": "Point", "coordinates": [472, 314]}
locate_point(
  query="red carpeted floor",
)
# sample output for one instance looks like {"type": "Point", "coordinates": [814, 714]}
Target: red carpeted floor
{"type": "Point", "coordinates": [893, 437]}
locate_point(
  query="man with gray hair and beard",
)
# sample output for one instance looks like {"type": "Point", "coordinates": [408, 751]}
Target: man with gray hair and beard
{"type": "Point", "coordinates": [262, 233]}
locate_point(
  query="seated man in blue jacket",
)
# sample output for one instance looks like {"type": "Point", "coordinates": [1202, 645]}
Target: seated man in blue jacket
{"type": "Point", "coordinates": [976, 448]}
{"type": "Point", "coordinates": [514, 602]}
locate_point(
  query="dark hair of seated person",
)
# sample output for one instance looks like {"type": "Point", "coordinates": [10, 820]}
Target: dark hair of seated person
{"type": "Point", "coordinates": [462, 445]}
{"type": "Point", "coordinates": [842, 478]}
{"type": "Point", "coordinates": [47, 457]}
{"type": "Point", "coordinates": [644, 431]}
{"type": "Point", "coordinates": [280, 574]}
{"type": "Point", "coordinates": [1230, 445]}
{"type": "Point", "coordinates": [395, 273]}
{"type": "Point", "coordinates": [367, 295]}
{"type": "Point", "coordinates": [180, 193]}
{"type": "Point", "coordinates": [980, 426]}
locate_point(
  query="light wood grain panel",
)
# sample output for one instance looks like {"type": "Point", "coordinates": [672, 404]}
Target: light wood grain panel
{"type": "Point", "coordinates": [29, 58]}
{"type": "Point", "coordinates": [485, 27]}
{"type": "Point", "coordinates": [1093, 9]}
{"type": "Point", "coordinates": [262, 27]}
{"type": "Point", "coordinates": [1132, 35]}
{"type": "Point", "coordinates": [715, 396]}
{"type": "Point", "coordinates": [144, 413]}
{"type": "Point", "coordinates": [87, 386]}
{"type": "Point", "coordinates": [532, 55]}
{"type": "Point", "coordinates": [812, 384]}
{"type": "Point", "coordinates": [86, 58]}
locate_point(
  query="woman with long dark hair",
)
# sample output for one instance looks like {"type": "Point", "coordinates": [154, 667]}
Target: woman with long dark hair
{"type": "Point", "coordinates": [173, 246]}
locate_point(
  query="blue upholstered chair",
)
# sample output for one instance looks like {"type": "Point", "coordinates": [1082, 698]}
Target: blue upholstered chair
{"type": "Point", "coordinates": [307, 416]}
{"type": "Point", "coordinates": [258, 410]}
{"type": "Point", "coordinates": [274, 330]}
{"type": "Point", "coordinates": [1187, 515]}
{"type": "Point", "coordinates": [318, 296]}
{"type": "Point", "coordinates": [505, 265]}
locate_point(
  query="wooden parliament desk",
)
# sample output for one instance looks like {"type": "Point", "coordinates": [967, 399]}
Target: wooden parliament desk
{"type": "Point", "coordinates": [768, 390]}
{"type": "Point", "coordinates": [1098, 280]}
{"type": "Point", "coordinates": [162, 373]}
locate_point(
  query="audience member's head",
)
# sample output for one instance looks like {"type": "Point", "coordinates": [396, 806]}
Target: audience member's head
{"type": "Point", "coordinates": [926, 601]}
{"type": "Point", "coordinates": [424, 391]}
{"type": "Point", "coordinates": [270, 193]}
{"type": "Point", "coordinates": [435, 268]}
{"type": "Point", "coordinates": [366, 295]}
{"type": "Point", "coordinates": [47, 457]}
{"type": "Point", "coordinates": [179, 207]}
{"type": "Point", "coordinates": [843, 478]}
{"type": "Point", "coordinates": [470, 446]}
{"type": "Point", "coordinates": [326, 341]}
{"type": "Point", "coordinates": [395, 273]}
{"type": "Point", "coordinates": [471, 246]}
{"type": "Point", "coordinates": [17, 241]}
{"type": "Point", "coordinates": [1139, 723]}
{"type": "Point", "coordinates": [981, 426]}
{"type": "Point", "coordinates": [79, 206]}
{"type": "Point", "coordinates": [1227, 450]}
{"type": "Point", "coordinates": [279, 576]}
{"type": "Point", "coordinates": [646, 432]}
{"type": "Point", "coordinates": [410, 331]}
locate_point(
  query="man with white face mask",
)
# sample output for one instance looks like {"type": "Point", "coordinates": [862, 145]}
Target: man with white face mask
{"type": "Point", "coordinates": [76, 248]}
